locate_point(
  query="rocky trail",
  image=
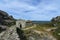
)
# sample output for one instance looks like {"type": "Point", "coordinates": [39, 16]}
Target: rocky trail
{"type": "Point", "coordinates": [9, 34]}
{"type": "Point", "coordinates": [40, 35]}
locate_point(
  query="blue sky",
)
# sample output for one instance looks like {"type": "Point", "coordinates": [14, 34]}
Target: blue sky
{"type": "Point", "coordinates": [31, 9]}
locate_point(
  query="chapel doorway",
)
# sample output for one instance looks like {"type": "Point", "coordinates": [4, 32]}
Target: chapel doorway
{"type": "Point", "coordinates": [20, 26]}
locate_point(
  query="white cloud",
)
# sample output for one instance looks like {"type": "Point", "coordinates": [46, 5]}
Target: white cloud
{"type": "Point", "coordinates": [23, 9]}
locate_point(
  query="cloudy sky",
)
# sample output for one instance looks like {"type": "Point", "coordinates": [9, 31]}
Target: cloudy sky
{"type": "Point", "coordinates": [31, 9]}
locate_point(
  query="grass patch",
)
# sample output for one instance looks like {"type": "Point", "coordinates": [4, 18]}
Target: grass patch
{"type": "Point", "coordinates": [55, 34]}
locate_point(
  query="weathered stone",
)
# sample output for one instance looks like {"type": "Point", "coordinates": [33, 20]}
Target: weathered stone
{"type": "Point", "coordinates": [56, 21]}
{"type": "Point", "coordinates": [40, 36]}
{"type": "Point", "coordinates": [20, 23]}
{"type": "Point", "coordinates": [2, 13]}
{"type": "Point", "coordinates": [5, 19]}
{"type": "Point", "coordinates": [9, 34]}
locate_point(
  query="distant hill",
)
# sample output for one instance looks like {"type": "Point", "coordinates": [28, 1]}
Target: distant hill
{"type": "Point", "coordinates": [40, 22]}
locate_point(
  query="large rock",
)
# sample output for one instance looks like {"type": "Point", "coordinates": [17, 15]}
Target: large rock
{"type": "Point", "coordinates": [56, 21]}
{"type": "Point", "coordinates": [5, 21]}
{"type": "Point", "coordinates": [13, 33]}
{"type": "Point", "coordinates": [2, 13]}
{"type": "Point", "coordinates": [9, 34]}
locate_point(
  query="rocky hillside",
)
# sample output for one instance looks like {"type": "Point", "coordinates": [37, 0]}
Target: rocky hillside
{"type": "Point", "coordinates": [56, 21]}
{"type": "Point", "coordinates": [5, 20]}
{"type": "Point", "coordinates": [8, 29]}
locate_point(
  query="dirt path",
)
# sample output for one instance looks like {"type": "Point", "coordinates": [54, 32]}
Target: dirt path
{"type": "Point", "coordinates": [29, 28]}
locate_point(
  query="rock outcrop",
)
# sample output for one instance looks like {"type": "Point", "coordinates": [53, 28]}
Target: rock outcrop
{"type": "Point", "coordinates": [5, 20]}
{"type": "Point", "coordinates": [4, 17]}
{"type": "Point", "coordinates": [56, 21]}
{"type": "Point", "coordinates": [9, 34]}
{"type": "Point", "coordinates": [37, 35]}
{"type": "Point", "coordinates": [12, 32]}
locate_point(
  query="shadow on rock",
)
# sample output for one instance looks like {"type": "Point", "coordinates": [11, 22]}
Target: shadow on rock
{"type": "Point", "coordinates": [21, 34]}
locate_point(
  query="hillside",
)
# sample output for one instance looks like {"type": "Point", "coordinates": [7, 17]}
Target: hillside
{"type": "Point", "coordinates": [5, 20]}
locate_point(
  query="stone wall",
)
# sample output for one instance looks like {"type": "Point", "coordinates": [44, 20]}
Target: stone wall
{"type": "Point", "coordinates": [20, 23]}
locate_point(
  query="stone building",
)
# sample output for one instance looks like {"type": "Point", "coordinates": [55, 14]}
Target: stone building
{"type": "Point", "coordinates": [23, 23]}
{"type": "Point", "coordinates": [20, 23]}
